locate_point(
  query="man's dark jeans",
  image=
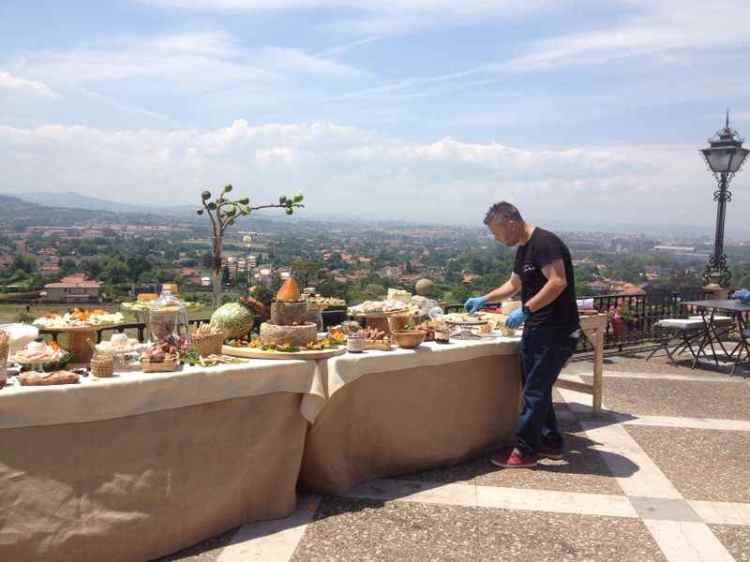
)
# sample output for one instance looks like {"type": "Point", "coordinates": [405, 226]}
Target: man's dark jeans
{"type": "Point", "coordinates": [544, 352]}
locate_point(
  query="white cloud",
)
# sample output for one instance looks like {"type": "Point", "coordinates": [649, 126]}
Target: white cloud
{"type": "Point", "coordinates": [377, 16]}
{"type": "Point", "coordinates": [344, 170]}
{"type": "Point", "coordinates": [654, 28]}
{"type": "Point", "coordinates": [21, 85]}
{"type": "Point", "coordinates": [467, 7]}
{"type": "Point", "coordinates": [189, 62]}
{"type": "Point", "coordinates": [668, 32]}
{"type": "Point", "coordinates": [295, 60]}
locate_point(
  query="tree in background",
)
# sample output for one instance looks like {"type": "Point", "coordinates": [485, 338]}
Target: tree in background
{"type": "Point", "coordinates": [305, 271]}
{"type": "Point", "coordinates": [67, 267]}
{"type": "Point", "coordinates": [223, 213]}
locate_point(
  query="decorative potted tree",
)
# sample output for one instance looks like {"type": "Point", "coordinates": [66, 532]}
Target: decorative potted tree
{"type": "Point", "coordinates": [223, 213]}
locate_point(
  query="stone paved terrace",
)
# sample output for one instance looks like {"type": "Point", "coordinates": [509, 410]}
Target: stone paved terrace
{"type": "Point", "coordinates": [664, 475]}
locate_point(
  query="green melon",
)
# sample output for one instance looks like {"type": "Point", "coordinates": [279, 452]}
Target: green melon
{"type": "Point", "coordinates": [234, 319]}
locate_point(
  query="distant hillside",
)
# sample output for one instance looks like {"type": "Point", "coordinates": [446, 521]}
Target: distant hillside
{"type": "Point", "coordinates": [17, 212]}
{"type": "Point", "coordinates": [71, 200]}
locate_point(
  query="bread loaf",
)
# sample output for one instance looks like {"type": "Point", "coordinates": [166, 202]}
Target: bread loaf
{"type": "Point", "coordinates": [32, 378]}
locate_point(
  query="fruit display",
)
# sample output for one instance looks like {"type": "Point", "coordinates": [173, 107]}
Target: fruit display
{"type": "Point", "coordinates": [78, 318]}
{"type": "Point", "coordinates": [164, 355]}
{"type": "Point", "coordinates": [167, 347]}
{"type": "Point", "coordinates": [234, 319]}
{"type": "Point", "coordinates": [321, 344]}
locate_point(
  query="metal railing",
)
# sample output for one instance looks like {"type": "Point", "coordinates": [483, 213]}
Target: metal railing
{"type": "Point", "coordinates": [640, 313]}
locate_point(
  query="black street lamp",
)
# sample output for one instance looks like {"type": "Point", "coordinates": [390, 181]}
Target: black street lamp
{"type": "Point", "coordinates": [724, 157]}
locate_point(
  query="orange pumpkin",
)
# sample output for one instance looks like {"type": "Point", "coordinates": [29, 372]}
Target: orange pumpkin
{"type": "Point", "coordinates": [289, 291]}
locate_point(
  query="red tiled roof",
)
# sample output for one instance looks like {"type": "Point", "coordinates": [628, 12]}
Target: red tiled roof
{"type": "Point", "coordinates": [83, 285]}
{"type": "Point", "coordinates": [75, 281]}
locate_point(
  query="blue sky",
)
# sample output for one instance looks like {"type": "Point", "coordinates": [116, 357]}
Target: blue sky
{"type": "Point", "coordinates": [422, 109]}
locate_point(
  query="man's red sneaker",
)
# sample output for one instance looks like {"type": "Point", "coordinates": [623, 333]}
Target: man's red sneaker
{"type": "Point", "coordinates": [551, 450]}
{"type": "Point", "coordinates": [513, 459]}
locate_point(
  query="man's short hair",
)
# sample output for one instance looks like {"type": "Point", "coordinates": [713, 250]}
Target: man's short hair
{"type": "Point", "coordinates": [502, 212]}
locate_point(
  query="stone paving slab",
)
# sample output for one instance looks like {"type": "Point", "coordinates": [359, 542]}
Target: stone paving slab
{"type": "Point", "coordinates": [735, 539]}
{"type": "Point", "coordinates": [676, 398]}
{"type": "Point", "coordinates": [664, 509]}
{"type": "Point", "coordinates": [364, 530]}
{"type": "Point", "coordinates": [467, 471]}
{"type": "Point", "coordinates": [702, 464]}
{"type": "Point", "coordinates": [581, 470]}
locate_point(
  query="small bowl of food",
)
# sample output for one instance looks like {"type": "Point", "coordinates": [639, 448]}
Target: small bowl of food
{"type": "Point", "coordinates": [409, 339]}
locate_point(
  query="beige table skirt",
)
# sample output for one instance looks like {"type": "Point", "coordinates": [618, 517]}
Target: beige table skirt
{"type": "Point", "coordinates": [403, 421]}
{"type": "Point", "coordinates": [135, 488]}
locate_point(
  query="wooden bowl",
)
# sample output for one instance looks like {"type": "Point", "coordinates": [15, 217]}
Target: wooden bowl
{"type": "Point", "coordinates": [409, 339]}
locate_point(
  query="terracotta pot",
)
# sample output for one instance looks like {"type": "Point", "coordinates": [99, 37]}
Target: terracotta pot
{"type": "Point", "coordinates": [398, 322]}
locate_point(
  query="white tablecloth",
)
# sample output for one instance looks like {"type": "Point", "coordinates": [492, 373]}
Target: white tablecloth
{"type": "Point", "coordinates": [135, 393]}
{"type": "Point", "coordinates": [404, 411]}
{"type": "Point", "coordinates": [346, 369]}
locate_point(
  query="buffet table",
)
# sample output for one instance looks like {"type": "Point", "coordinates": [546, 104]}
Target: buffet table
{"type": "Point", "coordinates": [138, 466]}
{"type": "Point", "coordinates": [403, 411]}
{"type": "Point", "coordinates": [141, 465]}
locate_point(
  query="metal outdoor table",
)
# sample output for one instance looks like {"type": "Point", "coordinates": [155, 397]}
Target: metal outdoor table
{"type": "Point", "coordinates": [712, 334]}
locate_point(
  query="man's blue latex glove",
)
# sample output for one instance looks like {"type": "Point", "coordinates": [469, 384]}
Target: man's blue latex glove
{"type": "Point", "coordinates": [474, 303]}
{"type": "Point", "coordinates": [516, 318]}
{"type": "Point", "coordinates": [742, 294]}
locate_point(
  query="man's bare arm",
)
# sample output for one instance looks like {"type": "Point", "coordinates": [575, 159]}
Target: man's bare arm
{"type": "Point", "coordinates": [553, 288]}
{"type": "Point", "coordinates": [506, 290]}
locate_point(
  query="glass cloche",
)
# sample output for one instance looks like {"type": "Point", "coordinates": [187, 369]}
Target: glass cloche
{"type": "Point", "coordinates": [168, 318]}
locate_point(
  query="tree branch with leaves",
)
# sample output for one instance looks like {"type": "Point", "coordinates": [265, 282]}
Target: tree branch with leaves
{"type": "Point", "coordinates": [223, 212]}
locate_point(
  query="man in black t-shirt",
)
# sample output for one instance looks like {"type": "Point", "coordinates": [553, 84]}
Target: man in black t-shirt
{"type": "Point", "coordinates": [543, 273]}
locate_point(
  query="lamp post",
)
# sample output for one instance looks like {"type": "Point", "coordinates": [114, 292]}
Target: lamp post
{"type": "Point", "coordinates": [724, 158]}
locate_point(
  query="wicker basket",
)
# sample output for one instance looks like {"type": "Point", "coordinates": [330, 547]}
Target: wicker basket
{"type": "Point", "coordinates": [162, 367]}
{"type": "Point", "coordinates": [378, 345]}
{"type": "Point", "coordinates": [208, 345]}
{"type": "Point", "coordinates": [102, 366]}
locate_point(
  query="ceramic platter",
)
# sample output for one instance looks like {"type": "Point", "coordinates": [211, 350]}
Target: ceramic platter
{"type": "Point", "coordinates": [255, 353]}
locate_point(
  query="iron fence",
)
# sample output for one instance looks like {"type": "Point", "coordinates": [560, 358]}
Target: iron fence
{"type": "Point", "coordinates": [639, 314]}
